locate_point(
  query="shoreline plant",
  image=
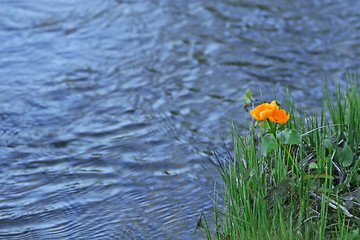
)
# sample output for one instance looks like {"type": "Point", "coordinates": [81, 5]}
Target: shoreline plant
{"type": "Point", "coordinates": [293, 176]}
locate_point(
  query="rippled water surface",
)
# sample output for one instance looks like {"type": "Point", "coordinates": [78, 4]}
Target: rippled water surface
{"type": "Point", "coordinates": [110, 109]}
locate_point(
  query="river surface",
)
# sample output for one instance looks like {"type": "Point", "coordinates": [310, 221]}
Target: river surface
{"type": "Point", "coordinates": [110, 109]}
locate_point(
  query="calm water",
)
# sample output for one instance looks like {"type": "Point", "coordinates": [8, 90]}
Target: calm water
{"type": "Point", "coordinates": [110, 109]}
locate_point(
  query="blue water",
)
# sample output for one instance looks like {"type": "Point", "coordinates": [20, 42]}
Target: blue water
{"type": "Point", "coordinates": [110, 110]}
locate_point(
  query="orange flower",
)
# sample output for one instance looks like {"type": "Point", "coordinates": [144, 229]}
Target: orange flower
{"type": "Point", "coordinates": [264, 111]}
{"type": "Point", "coordinates": [270, 111]}
{"type": "Point", "coordinates": [279, 116]}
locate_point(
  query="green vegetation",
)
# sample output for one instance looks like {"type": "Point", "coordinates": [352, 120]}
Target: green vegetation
{"type": "Point", "coordinates": [298, 180]}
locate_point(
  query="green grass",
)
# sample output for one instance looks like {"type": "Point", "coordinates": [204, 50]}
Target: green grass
{"type": "Point", "coordinates": [300, 190]}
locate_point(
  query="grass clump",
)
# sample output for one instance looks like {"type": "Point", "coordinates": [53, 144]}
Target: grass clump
{"type": "Point", "coordinates": [298, 180]}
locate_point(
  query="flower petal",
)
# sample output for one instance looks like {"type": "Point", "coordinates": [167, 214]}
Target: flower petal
{"type": "Point", "coordinates": [279, 116]}
{"type": "Point", "coordinates": [263, 111]}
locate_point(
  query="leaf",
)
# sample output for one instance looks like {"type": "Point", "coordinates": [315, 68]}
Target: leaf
{"type": "Point", "coordinates": [313, 165]}
{"type": "Point", "coordinates": [248, 93]}
{"type": "Point", "coordinates": [326, 176]}
{"type": "Point", "coordinates": [353, 235]}
{"type": "Point", "coordinates": [289, 137]}
{"type": "Point", "coordinates": [309, 176]}
{"type": "Point", "coordinates": [248, 96]}
{"type": "Point", "coordinates": [263, 126]}
{"type": "Point", "coordinates": [345, 155]}
{"type": "Point", "coordinates": [329, 144]}
{"type": "Point", "coordinates": [267, 145]}
{"type": "Point", "coordinates": [340, 187]}
{"type": "Point", "coordinates": [280, 191]}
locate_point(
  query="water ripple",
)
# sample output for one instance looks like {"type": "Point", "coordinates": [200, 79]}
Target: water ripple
{"type": "Point", "coordinates": [110, 110]}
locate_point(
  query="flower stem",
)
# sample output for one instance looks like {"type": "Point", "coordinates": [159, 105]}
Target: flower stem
{"type": "Point", "coordinates": [287, 151]}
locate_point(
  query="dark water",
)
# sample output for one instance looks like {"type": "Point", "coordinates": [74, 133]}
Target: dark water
{"type": "Point", "coordinates": [110, 109]}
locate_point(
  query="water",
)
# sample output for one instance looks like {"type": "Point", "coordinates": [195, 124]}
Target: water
{"type": "Point", "coordinates": [110, 109]}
